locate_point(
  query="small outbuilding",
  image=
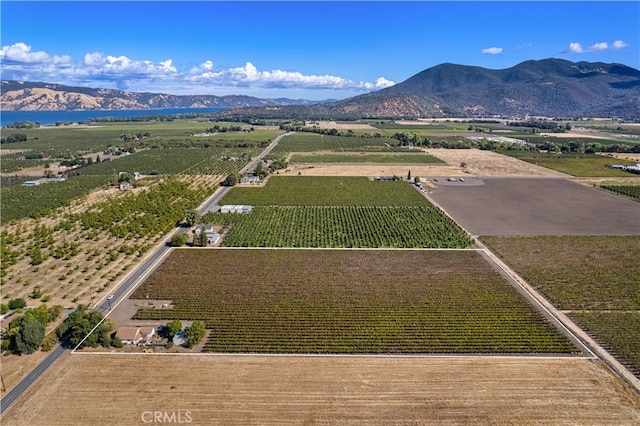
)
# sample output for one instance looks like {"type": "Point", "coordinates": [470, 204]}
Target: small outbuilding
{"type": "Point", "coordinates": [242, 209]}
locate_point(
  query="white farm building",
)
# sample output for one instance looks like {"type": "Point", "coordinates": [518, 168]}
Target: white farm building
{"type": "Point", "coordinates": [229, 208]}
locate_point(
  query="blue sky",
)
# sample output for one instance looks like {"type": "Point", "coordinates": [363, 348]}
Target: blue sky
{"type": "Point", "coordinates": [312, 50]}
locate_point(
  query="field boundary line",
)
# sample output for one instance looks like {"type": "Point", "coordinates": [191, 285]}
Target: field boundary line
{"type": "Point", "coordinates": [285, 355]}
{"type": "Point", "coordinates": [539, 300]}
{"type": "Point", "coordinates": [559, 318]}
{"type": "Point", "coordinates": [566, 323]}
{"type": "Point", "coordinates": [335, 248]}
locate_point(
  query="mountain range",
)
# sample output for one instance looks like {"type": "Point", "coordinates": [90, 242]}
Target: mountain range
{"type": "Point", "coordinates": [548, 87]}
{"type": "Point", "coordinates": [36, 96]}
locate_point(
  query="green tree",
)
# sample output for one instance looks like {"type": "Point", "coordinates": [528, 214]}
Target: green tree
{"type": "Point", "coordinates": [44, 314]}
{"type": "Point", "coordinates": [179, 240]}
{"type": "Point", "coordinates": [80, 323]}
{"type": "Point", "coordinates": [18, 303]}
{"type": "Point", "coordinates": [409, 175]}
{"type": "Point", "coordinates": [192, 216]}
{"type": "Point", "coordinates": [126, 177]}
{"type": "Point", "coordinates": [260, 170]}
{"type": "Point", "coordinates": [36, 256]}
{"type": "Point", "coordinates": [4, 308]}
{"type": "Point", "coordinates": [29, 335]}
{"type": "Point", "coordinates": [232, 179]}
{"type": "Point", "coordinates": [173, 328]}
{"type": "Point", "coordinates": [195, 333]}
{"type": "Point", "coordinates": [200, 239]}
{"type": "Point", "coordinates": [36, 293]}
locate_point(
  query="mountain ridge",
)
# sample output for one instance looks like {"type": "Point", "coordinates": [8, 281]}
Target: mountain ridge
{"type": "Point", "coordinates": [41, 96]}
{"type": "Point", "coordinates": [547, 87]}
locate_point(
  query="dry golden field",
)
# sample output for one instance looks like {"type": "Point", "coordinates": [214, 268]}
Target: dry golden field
{"type": "Point", "coordinates": [103, 389]}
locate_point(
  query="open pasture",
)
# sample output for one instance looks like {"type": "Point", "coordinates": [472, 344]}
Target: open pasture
{"type": "Point", "coordinates": [107, 389]}
{"type": "Point", "coordinates": [594, 278]}
{"type": "Point", "coordinates": [541, 206]}
{"type": "Point", "coordinates": [336, 301]}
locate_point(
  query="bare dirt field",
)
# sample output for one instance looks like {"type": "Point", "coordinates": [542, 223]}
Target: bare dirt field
{"type": "Point", "coordinates": [340, 126]}
{"type": "Point", "coordinates": [587, 134]}
{"type": "Point", "coordinates": [477, 163]}
{"type": "Point", "coordinates": [129, 389]}
{"type": "Point", "coordinates": [5, 151]}
{"type": "Point", "coordinates": [369, 169]}
{"type": "Point", "coordinates": [487, 163]}
{"type": "Point", "coordinates": [631, 156]}
{"type": "Point", "coordinates": [541, 206]}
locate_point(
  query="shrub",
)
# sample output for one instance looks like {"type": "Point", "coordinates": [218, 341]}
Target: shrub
{"type": "Point", "coordinates": [17, 303]}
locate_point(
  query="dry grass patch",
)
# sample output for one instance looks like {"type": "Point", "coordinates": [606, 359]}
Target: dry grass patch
{"type": "Point", "coordinates": [487, 163]}
{"type": "Point", "coordinates": [111, 389]}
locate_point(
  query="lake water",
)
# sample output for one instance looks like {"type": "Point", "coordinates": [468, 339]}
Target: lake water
{"type": "Point", "coordinates": [52, 117]}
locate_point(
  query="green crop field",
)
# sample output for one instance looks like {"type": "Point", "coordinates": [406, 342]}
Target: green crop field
{"type": "Point", "coordinates": [328, 301]}
{"type": "Point", "coordinates": [176, 161]}
{"type": "Point", "coordinates": [24, 201]}
{"type": "Point", "coordinates": [307, 211]}
{"type": "Point", "coordinates": [619, 331]}
{"type": "Point", "coordinates": [327, 191]}
{"type": "Point", "coordinates": [366, 158]}
{"type": "Point", "coordinates": [577, 272]}
{"type": "Point", "coordinates": [595, 276]}
{"type": "Point", "coordinates": [342, 226]}
{"type": "Point", "coordinates": [312, 142]}
{"type": "Point", "coordinates": [582, 166]}
{"type": "Point", "coordinates": [10, 163]}
{"type": "Point", "coordinates": [57, 142]}
{"type": "Point", "coordinates": [631, 191]}
{"type": "Point", "coordinates": [426, 127]}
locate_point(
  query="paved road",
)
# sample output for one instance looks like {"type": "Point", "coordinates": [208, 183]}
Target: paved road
{"type": "Point", "coordinates": [17, 391]}
{"type": "Point", "coordinates": [128, 285]}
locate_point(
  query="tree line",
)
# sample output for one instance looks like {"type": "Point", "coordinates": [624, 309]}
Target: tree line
{"type": "Point", "coordinates": [13, 138]}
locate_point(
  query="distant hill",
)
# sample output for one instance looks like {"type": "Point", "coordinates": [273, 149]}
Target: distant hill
{"type": "Point", "coordinates": [36, 96]}
{"type": "Point", "coordinates": [549, 87]}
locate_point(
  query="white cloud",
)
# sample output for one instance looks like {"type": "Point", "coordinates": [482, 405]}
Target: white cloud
{"type": "Point", "coordinates": [619, 44]}
{"type": "Point", "coordinates": [19, 62]}
{"type": "Point", "coordinates": [20, 53]}
{"type": "Point", "coordinates": [596, 47]}
{"type": "Point", "coordinates": [249, 76]}
{"type": "Point", "coordinates": [575, 48]}
{"type": "Point", "coordinates": [599, 46]}
{"type": "Point", "coordinates": [97, 63]}
{"type": "Point", "coordinates": [492, 51]}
